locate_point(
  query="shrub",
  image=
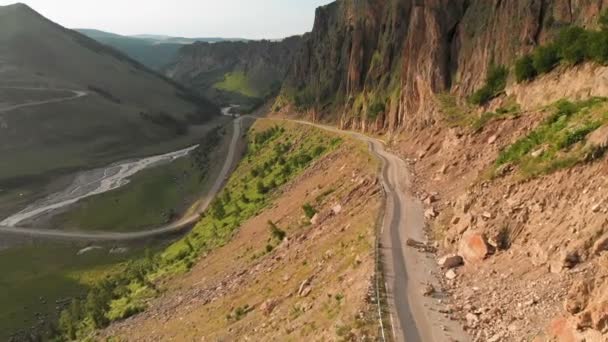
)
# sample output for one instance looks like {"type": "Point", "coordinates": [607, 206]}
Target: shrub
{"type": "Point", "coordinates": [564, 108]}
{"type": "Point", "coordinates": [572, 45]}
{"type": "Point", "coordinates": [318, 150]}
{"type": "Point", "coordinates": [218, 209]}
{"type": "Point", "coordinates": [261, 188]}
{"type": "Point", "coordinates": [598, 46]}
{"type": "Point", "coordinates": [603, 21]}
{"type": "Point", "coordinates": [482, 96]}
{"type": "Point", "coordinates": [276, 232]}
{"type": "Point", "coordinates": [309, 211]}
{"type": "Point", "coordinates": [496, 81]}
{"type": "Point", "coordinates": [545, 58]}
{"type": "Point", "coordinates": [524, 69]}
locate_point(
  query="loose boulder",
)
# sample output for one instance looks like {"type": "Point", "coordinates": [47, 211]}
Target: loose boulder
{"type": "Point", "coordinates": [474, 247]}
{"type": "Point", "coordinates": [430, 213]}
{"type": "Point", "coordinates": [450, 261]}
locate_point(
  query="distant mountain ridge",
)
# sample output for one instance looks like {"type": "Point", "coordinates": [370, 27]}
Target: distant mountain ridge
{"type": "Point", "coordinates": [154, 51]}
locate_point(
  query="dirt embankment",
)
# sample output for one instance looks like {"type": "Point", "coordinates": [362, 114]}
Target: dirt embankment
{"type": "Point", "coordinates": [535, 250]}
{"type": "Point", "coordinates": [314, 286]}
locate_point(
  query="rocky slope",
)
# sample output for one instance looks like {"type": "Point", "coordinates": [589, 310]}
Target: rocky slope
{"type": "Point", "coordinates": [234, 72]}
{"type": "Point", "coordinates": [382, 62]}
{"type": "Point", "coordinates": [315, 284]}
{"type": "Point", "coordinates": [534, 247]}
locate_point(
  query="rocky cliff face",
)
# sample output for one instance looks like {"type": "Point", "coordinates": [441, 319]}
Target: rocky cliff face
{"type": "Point", "coordinates": [381, 62]}
{"type": "Point", "coordinates": [255, 69]}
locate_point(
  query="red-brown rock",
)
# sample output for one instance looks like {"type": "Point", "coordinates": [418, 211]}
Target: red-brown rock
{"type": "Point", "coordinates": [473, 247]}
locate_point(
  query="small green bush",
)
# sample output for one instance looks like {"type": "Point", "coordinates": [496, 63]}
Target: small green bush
{"type": "Point", "coordinates": [524, 69]}
{"type": "Point", "coordinates": [579, 134]}
{"type": "Point", "coordinates": [261, 188]}
{"type": "Point", "coordinates": [481, 96]}
{"type": "Point", "coordinates": [572, 45]}
{"type": "Point", "coordinates": [545, 58]}
{"type": "Point", "coordinates": [309, 211]}
{"type": "Point", "coordinates": [276, 232]}
{"type": "Point", "coordinates": [598, 47]}
{"type": "Point", "coordinates": [496, 81]}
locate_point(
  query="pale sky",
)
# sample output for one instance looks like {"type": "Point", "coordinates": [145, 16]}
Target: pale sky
{"type": "Point", "coordinates": [252, 19]}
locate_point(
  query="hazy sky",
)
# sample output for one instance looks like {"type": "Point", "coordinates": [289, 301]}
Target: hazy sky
{"type": "Point", "coordinates": [189, 18]}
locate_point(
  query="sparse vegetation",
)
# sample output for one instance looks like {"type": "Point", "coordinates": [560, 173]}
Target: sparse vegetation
{"type": "Point", "coordinates": [456, 114]}
{"type": "Point", "coordinates": [239, 313]}
{"type": "Point", "coordinates": [276, 232]}
{"type": "Point", "coordinates": [463, 115]}
{"type": "Point", "coordinates": [558, 142]}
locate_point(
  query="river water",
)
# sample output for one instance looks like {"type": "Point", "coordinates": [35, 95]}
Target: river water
{"type": "Point", "coordinates": [93, 182]}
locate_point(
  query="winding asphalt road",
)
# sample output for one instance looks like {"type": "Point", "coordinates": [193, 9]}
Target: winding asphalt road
{"type": "Point", "coordinates": [414, 317]}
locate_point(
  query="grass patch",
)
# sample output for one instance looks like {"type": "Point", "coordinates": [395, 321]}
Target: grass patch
{"type": "Point", "coordinates": [238, 82]}
{"type": "Point", "coordinates": [557, 143]}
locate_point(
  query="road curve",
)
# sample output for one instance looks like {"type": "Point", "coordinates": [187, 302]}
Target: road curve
{"type": "Point", "coordinates": [414, 317]}
{"type": "Point", "coordinates": [172, 228]}
{"type": "Point", "coordinates": [77, 94]}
